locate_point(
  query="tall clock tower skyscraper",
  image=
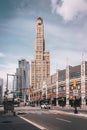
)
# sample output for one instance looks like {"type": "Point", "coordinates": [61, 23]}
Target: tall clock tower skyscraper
{"type": "Point", "coordinates": [40, 66]}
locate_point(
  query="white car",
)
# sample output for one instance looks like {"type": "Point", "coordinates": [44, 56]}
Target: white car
{"type": "Point", "coordinates": [45, 106]}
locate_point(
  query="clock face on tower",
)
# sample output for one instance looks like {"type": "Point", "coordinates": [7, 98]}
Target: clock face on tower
{"type": "Point", "coordinates": [39, 21]}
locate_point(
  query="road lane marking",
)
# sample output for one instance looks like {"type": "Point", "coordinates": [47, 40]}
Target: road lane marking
{"type": "Point", "coordinates": [33, 123]}
{"type": "Point", "coordinates": [63, 120]}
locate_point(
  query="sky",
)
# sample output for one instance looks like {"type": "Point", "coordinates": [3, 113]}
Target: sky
{"type": "Point", "coordinates": [65, 32]}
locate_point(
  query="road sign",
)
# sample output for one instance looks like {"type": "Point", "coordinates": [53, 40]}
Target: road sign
{"type": "Point", "coordinates": [16, 92]}
{"type": "Point", "coordinates": [75, 92]}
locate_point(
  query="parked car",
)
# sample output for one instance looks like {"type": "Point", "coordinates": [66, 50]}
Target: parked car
{"type": "Point", "coordinates": [45, 106]}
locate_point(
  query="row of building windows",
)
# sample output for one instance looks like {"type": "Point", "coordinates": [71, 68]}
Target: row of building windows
{"type": "Point", "coordinates": [71, 76]}
{"type": "Point", "coordinates": [75, 74]}
{"type": "Point", "coordinates": [39, 56]}
{"type": "Point", "coordinates": [39, 48]}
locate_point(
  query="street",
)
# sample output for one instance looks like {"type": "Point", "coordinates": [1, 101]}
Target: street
{"type": "Point", "coordinates": [35, 118]}
{"type": "Point", "coordinates": [52, 120]}
{"type": "Point", "coordinates": [10, 122]}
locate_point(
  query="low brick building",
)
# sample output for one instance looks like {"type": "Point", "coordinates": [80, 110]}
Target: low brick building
{"type": "Point", "coordinates": [64, 87]}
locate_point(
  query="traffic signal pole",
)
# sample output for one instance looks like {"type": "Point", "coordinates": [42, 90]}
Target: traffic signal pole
{"type": "Point", "coordinates": [7, 81]}
{"type": "Point", "coordinates": [75, 105]}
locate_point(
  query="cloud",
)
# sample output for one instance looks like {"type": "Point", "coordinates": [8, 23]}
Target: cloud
{"type": "Point", "coordinates": [17, 26]}
{"type": "Point", "coordinates": [69, 9]}
{"type": "Point", "coordinates": [2, 55]}
{"type": "Point", "coordinates": [60, 59]}
{"type": "Point", "coordinates": [67, 42]}
{"type": "Point", "coordinates": [67, 38]}
{"type": "Point", "coordinates": [7, 68]}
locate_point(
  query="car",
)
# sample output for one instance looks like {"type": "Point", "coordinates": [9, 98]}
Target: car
{"type": "Point", "coordinates": [45, 106]}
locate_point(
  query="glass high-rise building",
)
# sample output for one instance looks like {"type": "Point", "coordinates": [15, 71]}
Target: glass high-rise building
{"type": "Point", "coordinates": [23, 76]}
{"type": "Point", "coordinates": [1, 88]}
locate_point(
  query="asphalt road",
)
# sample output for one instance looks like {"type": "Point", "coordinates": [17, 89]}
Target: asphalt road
{"type": "Point", "coordinates": [56, 121]}
{"type": "Point", "coordinates": [10, 122]}
{"type": "Point", "coordinates": [35, 118]}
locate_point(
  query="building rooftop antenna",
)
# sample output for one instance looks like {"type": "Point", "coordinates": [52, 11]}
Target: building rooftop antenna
{"type": "Point", "coordinates": [67, 61]}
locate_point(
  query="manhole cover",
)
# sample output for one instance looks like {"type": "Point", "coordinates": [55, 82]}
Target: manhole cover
{"type": "Point", "coordinates": [6, 122]}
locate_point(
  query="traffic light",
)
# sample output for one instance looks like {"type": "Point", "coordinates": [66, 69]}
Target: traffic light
{"type": "Point", "coordinates": [30, 91]}
{"type": "Point", "coordinates": [74, 83]}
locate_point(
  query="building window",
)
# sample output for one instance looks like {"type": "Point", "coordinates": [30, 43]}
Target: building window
{"type": "Point", "coordinates": [74, 75]}
{"type": "Point", "coordinates": [61, 78]}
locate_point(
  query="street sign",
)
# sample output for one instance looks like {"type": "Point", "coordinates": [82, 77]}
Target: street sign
{"type": "Point", "coordinates": [16, 92]}
{"type": "Point", "coordinates": [75, 92]}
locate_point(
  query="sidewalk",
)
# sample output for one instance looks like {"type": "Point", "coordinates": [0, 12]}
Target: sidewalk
{"type": "Point", "coordinates": [70, 111]}
{"type": "Point", "coordinates": [54, 109]}
{"type": "Point", "coordinates": [69, 108]}
{"type": "Point", "coordinates": [57, 110]}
